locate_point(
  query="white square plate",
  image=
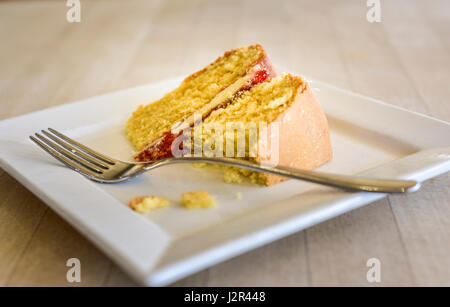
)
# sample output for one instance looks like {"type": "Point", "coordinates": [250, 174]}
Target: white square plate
{"type": "Point", "coordinates": [369, 137]}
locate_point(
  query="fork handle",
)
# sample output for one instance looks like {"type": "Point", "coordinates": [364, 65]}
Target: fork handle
{"type": "Point", "coordinates": [353, 183]}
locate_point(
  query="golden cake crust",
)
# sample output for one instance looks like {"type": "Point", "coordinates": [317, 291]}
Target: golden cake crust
{"type": "Point", "coordinates": [262, 58]}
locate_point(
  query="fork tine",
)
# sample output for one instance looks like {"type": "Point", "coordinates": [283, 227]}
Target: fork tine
{"type": "Point", "coordinates": [75, 151]}
{"type": "Point", "coordinates": [69, 155]}
{"type": "Point", "coordinates": [83, 147]}
{"type": "Point", "coordinates": [69, 163]}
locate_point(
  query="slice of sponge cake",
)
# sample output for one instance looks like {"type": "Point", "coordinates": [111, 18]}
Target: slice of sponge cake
{"type": "Point", "coordinates": [240, 87]}
{"type": "Point", "coordinates": [203, 91]}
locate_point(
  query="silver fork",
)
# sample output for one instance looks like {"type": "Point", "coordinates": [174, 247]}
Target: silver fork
{"type": "Point", "coordinates": [101, 168]}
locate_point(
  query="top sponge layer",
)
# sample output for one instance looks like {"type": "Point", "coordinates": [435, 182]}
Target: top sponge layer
{"type": "Point", "coordinates": [150, 122]}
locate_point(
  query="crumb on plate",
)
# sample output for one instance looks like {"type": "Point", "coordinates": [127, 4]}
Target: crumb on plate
{"type": "Point", "coordinates": [197, 199]}
{"type": "Point", "coordinates": [144, 204]}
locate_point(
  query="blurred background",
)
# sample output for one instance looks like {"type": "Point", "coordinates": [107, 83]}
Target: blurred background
{"type": "Point", "coordinates": [118, 44]}
{"type": "Point", "coordinates": [404, 59]}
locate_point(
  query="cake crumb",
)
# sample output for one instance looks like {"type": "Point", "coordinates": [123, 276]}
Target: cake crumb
{"type": "Point", "coordinates": [238, 195]}
{"type": "Point", "coordinates": [197, 199]}
{"type": "Point", "coordinates": [231, 175]}
{"type": "Point", "coordinates": [144, 204]}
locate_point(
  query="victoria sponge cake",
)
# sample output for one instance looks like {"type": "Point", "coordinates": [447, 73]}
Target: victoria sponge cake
{"type": "Point", "coordinates": [203, 91]}
{"type": "Point", "coordinates": [280, 111]}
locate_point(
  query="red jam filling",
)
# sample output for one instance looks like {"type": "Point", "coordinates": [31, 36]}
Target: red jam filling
{"type": "Point", "coordinates": [259, 77]}
{"type": "Point", "coordinates": [162, 148]}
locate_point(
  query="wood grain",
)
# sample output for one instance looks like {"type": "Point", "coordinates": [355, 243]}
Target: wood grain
{"type": "Point", "coordinates": [404, 60]}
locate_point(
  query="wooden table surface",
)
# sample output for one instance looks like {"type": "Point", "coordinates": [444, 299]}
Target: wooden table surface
{"type": "Point", "coordinates": [404, 60]}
